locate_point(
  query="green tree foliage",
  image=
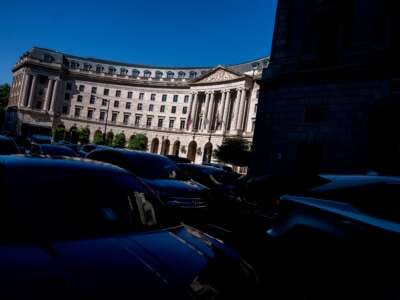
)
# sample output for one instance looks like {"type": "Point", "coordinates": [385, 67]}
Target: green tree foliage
{"type": "Point", "coordinates": [109, 138]}
{"type": "Point", "coordinates": [59, 133]}
{"type": "Point", "coordinates": [138, 142]}
{"type": "Point", "coordinates": [119, 140]}
{"type": "Point", "coordinates": [98, 138]}
{"type": "Point", "coordinates": [83, 135]}
{"type": "Point", "coordinates": [4, 94]}
{"type": "Point", "coordinates": [233, 151]}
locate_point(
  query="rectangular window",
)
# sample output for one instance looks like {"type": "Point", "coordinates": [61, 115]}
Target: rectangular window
{"type": "Point", "coordinates": [184, 110]}
{"type": "Point", "coordinates": [104, 102]}
{"type": "Point", "coordinates": [80, 98]}
{"type": "Point", "coordinates": [106, 92]}
{"type": "Point", "coordinates": [94, 90]}
{"type": "Point", "coordinates": [314, 114]}
{"type": "Point", "coordinates": [141, 96]}
{"type": "Point", "coordinates": [116, 104]}
{"type": "Point", "coordinates": [255, 108]}
{"type": "Point", "coordinates": [160, 123]}
{"type": "Point", "coordinates": [126, 118]}
{"type": "Point", "coordinates": [114, 117]}
{"type": "Point", "coordinates": [173, 109]}
{"type": "Point", "coordinates": [137, 121]}
{"type": "Point", "coordinates": [102, 115]}
{"type": "Point", "coordinates": [186, 99]}
{"type": "Point", "coordinates": [67, 96]}
{"type": "Point", "coordinates": [117, 94]}
{"type": "Point", "coordinates": [92, 99]}
{"type": "Point", "coordinates": [90, 114]}
{"type": "Point", "coordinates": [151, 107]}
{"type": "Point", "coordinates": [153, 97]}
{"type": "Point", "coordinates": [258, 94]}
{"type": "Point", "coordinates": [81, 88]}
{"type": "Point", "coordinates": [130, 95]}
{"type": "Point", "coordinates": [149, 121]}
{"type": "Point", "coordinates": [69, 86]}
{"type": "Point", "coordinates": [175, 98]}
{"type": "Point", "coordinates": [182, 126]}
{"type": "Point", "coordinates": [162, 108]}
{"type": "Point", "coordinates": [253, 125]}
{"type": "Point", "coordinates": [171, 123]}
{"type": "Point", "coordinates": [128, 105]}
{"type": "Point", "coordinates": [164, 98]}
{"type": "Point", "coordinates": [139, 106]}
{"type": "Point", "coordinates": [78, 110]}
{"type": "Point", "coordinates": [65, 110]}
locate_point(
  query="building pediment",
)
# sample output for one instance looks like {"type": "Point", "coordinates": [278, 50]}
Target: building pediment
{"type": "Point", "coordinates": [219, 74]}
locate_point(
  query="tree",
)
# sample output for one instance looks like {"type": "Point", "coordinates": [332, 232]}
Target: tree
{"type": "Point", "coordinates": [233, 151]}
{"type": "Point", "coordinates": [138, 142]}
{"type": "Point", "coordinates": [98, 138]}
{"type": "Point", "coordinates": [59, 133]}
{"type": "Point", "coordinates": [119, 140]}
{"type": "Point", "coordinates": [83, 135]}
{"type": "Point", "coordinates": [4, 94]}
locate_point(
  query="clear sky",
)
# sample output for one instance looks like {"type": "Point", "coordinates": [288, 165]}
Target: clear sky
{"type": "Point", "coordinates": [157, 32]}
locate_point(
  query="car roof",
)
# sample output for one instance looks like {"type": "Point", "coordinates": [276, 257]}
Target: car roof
{"type": "Point", "coordinates": [133, 153]}
{"type": "Point", "coordinates": [204, 168]}
{"type": "Point", "coordinates": [28, 161]}
{"type": "Point", "coordinates": [347, 181]}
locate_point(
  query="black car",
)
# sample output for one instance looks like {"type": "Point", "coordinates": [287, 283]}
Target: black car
{"type": "Point", "coordinates": [220, 166]}
{"type": "Point", "coordinates": [52, 150]}
{"type": "Point", "coordinates": [175, 188]}
{"type": "Point", "coordinates": [341, 207]}
{"type": "Point", "coordinates": [85, 230]}
{"type": "Point", "coordinates": [86, 149]}
{"type": "Point", "coordinates": [8, 146]}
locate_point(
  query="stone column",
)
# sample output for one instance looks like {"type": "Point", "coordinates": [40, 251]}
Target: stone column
{"type": "Point", "coordinates": [226, 110]}
{"type": "Point", "coordinates": [54, 96]}
{"type": "Point", "coordinates": [193, 117]}
{"type": "Point", "coordinates": [241, 110]}
{"type": "Point", "coordinates": [236, 110]}
{"type": "Point", "coordinates": [24, 90]}
{"type": "Point", "coordinates": [208, 98]}
{"type": "Point", "coordinates": [210, 112]}
{"type": "Point", "coordinates": [32, 92]}
{"type": "Point", "coordinates": [48, 95]}
{"type": "Point", "coordinates": [222, 109]}
{"type": "Point", "coordinates": [191, 105]}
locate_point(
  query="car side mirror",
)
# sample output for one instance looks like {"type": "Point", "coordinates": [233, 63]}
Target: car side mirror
{"type": "Point", "coordinates": [146, 209]}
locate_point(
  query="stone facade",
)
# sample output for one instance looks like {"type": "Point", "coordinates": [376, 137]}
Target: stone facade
{"type": "Point", "coordinates": [330, 96]}
{"type": "Point", "coordinates": [182, 111]}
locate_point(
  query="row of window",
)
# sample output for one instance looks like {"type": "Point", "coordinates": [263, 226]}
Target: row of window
{"type": "Point", "coordinates": [114, 116]}
{"type": "Point", "coordinates": [134, 73]}
{"type": "Point", "coordinates": [118, 93]}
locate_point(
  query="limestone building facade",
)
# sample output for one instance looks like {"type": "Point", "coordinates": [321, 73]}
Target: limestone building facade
{"type": "Point", "coordinates": [182, 111]}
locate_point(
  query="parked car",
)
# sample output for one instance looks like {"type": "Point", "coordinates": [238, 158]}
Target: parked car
{"type": "Point", "coordinates": [8, 146]}
{"type": "Point", "coordinates": [342, 207]}
{"type": "Point", "coordinates": [178, 159]}
{"type": "Point", "coordinates": [40, 139]}
{"type": "Point", "coordinates": [178, 191]}
{"type": "Point", "coordinates": [74, 147]}
{"type": "Point", "coordinates": [220, 166]}
{"type": "Point", "coordinates": [86, 149]}
{"type": "Point", "coordinates": [93, 232]}
{"type": "Point", "coordinates": [52, 150]}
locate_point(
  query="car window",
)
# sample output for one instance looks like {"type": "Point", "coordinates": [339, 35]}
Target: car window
{"type": "Point", "coordinates": [8, 147]}
{"type": "Point", "coordinates": [60, 150]}
{"type": "Point", "coordinates": [78, 204]}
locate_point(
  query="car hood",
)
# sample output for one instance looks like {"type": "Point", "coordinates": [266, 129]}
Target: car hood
{"type": "Point", "coordinates": [176, 188]}
{"type": "Point", "coordinates": [173, 263]}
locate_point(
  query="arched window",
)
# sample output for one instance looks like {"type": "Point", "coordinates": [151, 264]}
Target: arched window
{"type": "Point", "coordinates": [123, 71]}
{"type": "Point", "coordinates": [112, 70]}
{"type": "Point", "coordinates": [170, 75]}
{"type": "Point", "coordinates": [147, 74]}
{"type": "Point", "coordinates": [192, 75]}
{"type": "Point", "coordinates": [159, 74]}
{"type": "Point", "coordinates": [135, 73]}
{"type": "Point", "coordinates": [87, 67]}
{"type": "Point", "coordinates": [74, 65]}
{"type": "Point", "coordinates": [99, 69]}
{"type": "Point", "coordinates": [181, 75]}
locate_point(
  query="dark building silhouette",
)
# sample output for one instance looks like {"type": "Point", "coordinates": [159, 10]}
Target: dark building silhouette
{"type": "Point", "coordinates": [330, 99]}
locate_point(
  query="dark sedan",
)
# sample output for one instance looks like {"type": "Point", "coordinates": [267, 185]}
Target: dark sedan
{"type": "Point", "coordinates": [52, 150]}
{"type": "Point", "coordinates": [8, 146]}
{"type": "Point", "coordinates": [84, 230]}
{"type": "Point", "coordinates": [175, 188]}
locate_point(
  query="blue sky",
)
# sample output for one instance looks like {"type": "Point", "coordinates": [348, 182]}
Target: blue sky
{"type": "Point", "coordinates": [157, 32]}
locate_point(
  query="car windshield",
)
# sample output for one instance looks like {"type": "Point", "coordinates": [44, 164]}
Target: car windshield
{"type": "Point", "coordinates": [153, 167]}
{"type": "Point", "coordinates": [57, 205]}
{"type": "Point", "coordinates": [8, 147]}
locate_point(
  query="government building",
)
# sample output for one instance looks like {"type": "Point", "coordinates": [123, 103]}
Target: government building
{"type": "Point", "coordinates": [185, 111]}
